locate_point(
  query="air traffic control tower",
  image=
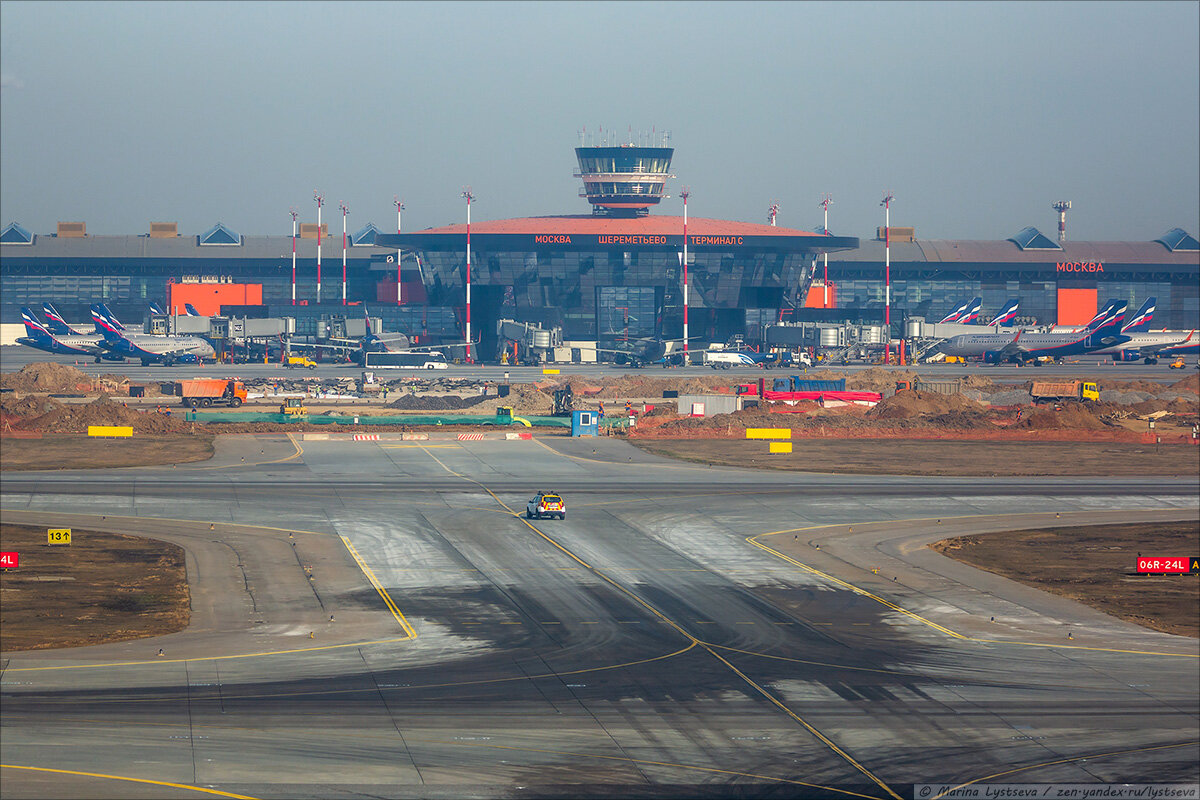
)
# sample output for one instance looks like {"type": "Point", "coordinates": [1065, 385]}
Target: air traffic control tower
{"type": "Point", "coordinates": [626, 179]}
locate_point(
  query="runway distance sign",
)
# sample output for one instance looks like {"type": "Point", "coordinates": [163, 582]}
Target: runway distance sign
{"type": "Point", "coordinates": [9, 560]}
{"type": "Point", "coordinates": [58, 536]}
{"type": "Point", "coordinates": [1167, 564]}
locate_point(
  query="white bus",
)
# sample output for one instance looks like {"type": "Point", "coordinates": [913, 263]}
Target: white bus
{"type": "Point", "coordinates": [406, 359]}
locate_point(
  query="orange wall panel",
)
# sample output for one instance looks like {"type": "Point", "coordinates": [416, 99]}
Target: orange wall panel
{"type": "Point", "coordinates": [816, 297]}
{"type": "Point", "coordinates": [209, 297]}
{"type": "Point", "coordinates": [1076, 306]}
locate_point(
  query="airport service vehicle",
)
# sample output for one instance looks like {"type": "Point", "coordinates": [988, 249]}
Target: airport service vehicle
{"type": "Point", "coordinates": [410, 359]}
{"type": "Point", "coordinates": [295, 362]}
{"type": "Point", "coordinates": [1047, 391]}
{"type": "Point", "coordinates": [207, 392]}
{"type": "Point", "coordinates": [1176, 364]}
{"type": "Point", "coordinates": [545, 504]}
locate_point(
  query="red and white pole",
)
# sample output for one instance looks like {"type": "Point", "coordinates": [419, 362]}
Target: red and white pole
{"type": "Point", "coordinates": [293, 212]}
{"type": "Point", "coordinates": [684, 194]}
{"type": "Point", "coordinates": [469, 198]}
{"type": "Point", "coordinates": [887, 277]}
{"type": "Point", "coordinates": [825, 275]}
{"type": "Point", "coordinates": [319, 200]}
{"type": "Point", "coordinates": [399, 253]}
{"type": "Point", "coordinates": [345, 211]}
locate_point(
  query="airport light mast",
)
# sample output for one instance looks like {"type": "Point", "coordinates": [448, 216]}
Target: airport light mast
{"type": "Point", "coordinates": [887, 273]}
{"type": "Point", "coordinates": [320, 200]}
{"type": "Point", "coordinates": [294, 213]}
{"type": "Point", "coordinates": [345, 211]}
{"type": "Point", "coordinates": [825, 201]}
{"type": "Point", "coordinates": [399, 286]}
{"type": "Point", "coordinates": [469, 197]}
{"type": "Point", "coordinates": [684, 194]}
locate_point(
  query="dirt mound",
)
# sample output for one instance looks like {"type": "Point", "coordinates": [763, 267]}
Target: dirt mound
{"type": "Point", "coordinates": [981, 382]}
{"type": "Point", "coordinates": [910, 405]}
{"type": "Point", "coordinates": [1072, 416]}
{"type": "Point", "coordinates": [419, 402]}
{"type": "Point", "coordinates": [1189, 384]}
{"type": "Point", "coordinates": [103, 411]}
{"type": "Point", "coordinates": [878, 379]}
{"type": "Point", "coordinates": [28, 406]}
{"type": "Point", "coordinates": [1132, 386]}
{"type": "Point", "coordinates": [45, 376]}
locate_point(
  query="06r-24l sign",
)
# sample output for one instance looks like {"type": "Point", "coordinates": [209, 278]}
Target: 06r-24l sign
{"type": "Point", "coordinates": [1165, 564]}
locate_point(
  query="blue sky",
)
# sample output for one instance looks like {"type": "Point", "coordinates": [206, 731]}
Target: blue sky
{"type": "Point", "coordinates": [976, 116]}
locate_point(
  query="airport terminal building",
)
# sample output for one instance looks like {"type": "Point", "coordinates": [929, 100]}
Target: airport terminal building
{"type": "Point", "coordinates": [611, 275]}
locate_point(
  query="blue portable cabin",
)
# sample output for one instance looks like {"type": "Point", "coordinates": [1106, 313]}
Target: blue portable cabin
{"type": "Point", "coordinates": [585, 423]}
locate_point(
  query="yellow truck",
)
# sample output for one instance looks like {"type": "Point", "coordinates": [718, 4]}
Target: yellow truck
{"type": "Point", "coordinates": [294, 362]}
{"type": "Point", "coordinates": [1053, 391]}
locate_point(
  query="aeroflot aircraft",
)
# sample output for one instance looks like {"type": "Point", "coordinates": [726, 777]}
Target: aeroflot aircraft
{"type": "Point", "coordinates": [165, 349]}
{"type": "Point", "coordinates": [1024, 346]}
{"type": "Point", "coordinates": [40, 338]}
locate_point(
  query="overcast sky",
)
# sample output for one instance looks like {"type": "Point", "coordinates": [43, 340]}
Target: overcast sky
{"type": "Point", "coordinates": [976, 116]}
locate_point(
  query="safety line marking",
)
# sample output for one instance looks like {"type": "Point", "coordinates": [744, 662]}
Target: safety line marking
{"type": "Point", "coordinates": [134, 780]}
{"type": "Point", "coordinates": [858, 590]}
{"type": "Point", "coordinates": [412, 634]}
{"type": "Point", "coordinates": [665, 619]}
{"type": "Point", "coordinates": [1192, 743]}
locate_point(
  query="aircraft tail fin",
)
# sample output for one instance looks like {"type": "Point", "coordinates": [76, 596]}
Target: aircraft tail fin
{"type": "Point", "coordinates": [105, 324]}
{"type": "Point", "coordinates": [155, 308]}
{"type": "Point", "coordinates": [956, 314]}
{"type": "Point", "coordinates": [191, 310]}
{"type": "Point", "coordinates": [34, 326]}
{"type": "Point", "coordinates": [972, 311]}
{"type": "Point", "coordinates": [55, 323]}
{"type": "Point", "coordinates": [1007, 314]}
{"type": "Point", "coordinates": [1111, 325]}
{"type": "Point", "coordinates": [1140, 322]}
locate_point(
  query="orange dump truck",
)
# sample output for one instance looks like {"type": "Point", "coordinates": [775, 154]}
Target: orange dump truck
{"type": "Point", "coordinates": [211, 392]}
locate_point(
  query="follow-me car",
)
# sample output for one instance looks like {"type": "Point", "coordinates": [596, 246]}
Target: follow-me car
{"type": "Point", "coordinates": [545, 504]}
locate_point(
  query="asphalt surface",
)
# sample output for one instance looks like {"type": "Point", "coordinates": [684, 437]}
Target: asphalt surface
{"type": "Point", "coordinates": [13, 357]}
{"type": "Point", "coordinates": [379, 619]}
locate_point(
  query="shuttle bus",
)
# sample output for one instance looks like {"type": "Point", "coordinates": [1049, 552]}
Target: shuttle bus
{"type": "Point", "coordinates": [409, 360]}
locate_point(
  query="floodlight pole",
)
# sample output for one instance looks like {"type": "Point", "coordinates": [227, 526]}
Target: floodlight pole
{"type": "Point", "coordinates": [345, 211]}
{"type": "Point", "coordinates": [320, 200]}
{"type": "Point", "coordinates": [686, 360]}
{"type": "Point", "coordinates": [399, 252]}
{"type": "Point", "coordinates": [293, 212]}
{"type": "Point", "coordinates": [887, 267]}
{"type": "Point", "coordinates": [825, 201]}
{"type": "Point", "coordinates": [469, 197]}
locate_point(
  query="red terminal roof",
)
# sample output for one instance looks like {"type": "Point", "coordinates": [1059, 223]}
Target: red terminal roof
{"type": "Point", "coordinates": [584, 224]}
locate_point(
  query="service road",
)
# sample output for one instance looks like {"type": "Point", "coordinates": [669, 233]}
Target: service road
{"type": "Point", "coordinates": [686, 631]}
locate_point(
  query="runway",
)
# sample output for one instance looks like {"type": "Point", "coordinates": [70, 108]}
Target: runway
{"type": "Point", "coordinates": [378, 619]}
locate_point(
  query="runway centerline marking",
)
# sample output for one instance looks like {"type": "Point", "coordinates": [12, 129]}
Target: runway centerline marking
{"type": "Point", "coordinates": [134, 780]}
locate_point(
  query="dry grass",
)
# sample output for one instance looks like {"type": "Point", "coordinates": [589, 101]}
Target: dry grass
{"type": "Point", "coordinates": [1096, 566]}
{"type": "Point", "coordinates": [104, 587]}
